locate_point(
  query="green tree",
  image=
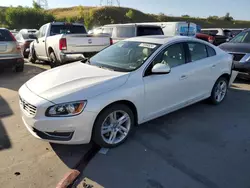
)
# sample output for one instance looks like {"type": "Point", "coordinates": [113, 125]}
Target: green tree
{"type": "Point", "coordinates": [36, 5]}
{"type": "Point", "coordinates": [213, 18]}
{"type": "Point", "coordinates": [185, 16]}
{"type": "Point", "coordinates": [24, 17]}
{"type": "Point", "coordinates": [85, 16]}
{"type": "Point", "coordinates": [227, 17]}
{"type": "Point", "coordinates": [130, 14]}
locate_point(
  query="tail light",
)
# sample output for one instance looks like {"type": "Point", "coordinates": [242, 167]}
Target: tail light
{"type": "Point", "coordinates": [12, 36]}
{"type": "Point", "coordinates": [63, 44]}
{"type": "Point", "coordinates": [211, 39]}
{"type": "Point", "coordinates": [111, 41]}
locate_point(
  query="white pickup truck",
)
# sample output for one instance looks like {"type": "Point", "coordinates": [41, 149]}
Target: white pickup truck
{"type": "Point", "coordinates": [60, 43]}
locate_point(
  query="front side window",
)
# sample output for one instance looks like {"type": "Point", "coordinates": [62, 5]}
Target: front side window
{"type": "Point", "coordinates": [197, 51]}
{"type": "Point", "coordinates": [243, 37]}
{"type": "Point", "coordinates": [124, 56]}
{"type": "Point", "coordinates": [174, 56]}
{"type": "Point", "coordinates": [125, 32]}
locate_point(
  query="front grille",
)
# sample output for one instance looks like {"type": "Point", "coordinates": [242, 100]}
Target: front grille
{"type": "Point", "coordinates": [238, 57]}
{"type": "Point", "coordinates": [27, 107]}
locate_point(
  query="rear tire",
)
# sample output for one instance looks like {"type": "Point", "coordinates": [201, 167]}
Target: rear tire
{"type": "Point", "coordinates": [19, 68]}
{"type": "Point", "coordinates": [53, 60]}
{"type": "Point", "coordinates": [118, 127]}
{"type": "Point", "coordinates": [219, 91]}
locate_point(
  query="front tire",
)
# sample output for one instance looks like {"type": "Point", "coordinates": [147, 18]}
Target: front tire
{"type": "Point", "coordinates": [219, 91]}
{"type": "Point", "coordinates": [113, 126]}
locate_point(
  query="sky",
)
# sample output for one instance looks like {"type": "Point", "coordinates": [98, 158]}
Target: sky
{"type": "Point", "coordinates": [198, 8]}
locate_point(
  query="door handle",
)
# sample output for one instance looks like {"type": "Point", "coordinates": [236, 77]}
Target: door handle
{"type": "Point", "coordinates": [43, 41]}
{"type": "Point", "coordinates": [183, 77]}
{"type": "Point", "coordinates": [213, 66]}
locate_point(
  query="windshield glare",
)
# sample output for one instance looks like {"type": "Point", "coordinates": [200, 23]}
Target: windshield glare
{"type": "Point", "coordinates": [124, 56]}
{"type": "Point", "coordinates": [243, 37]}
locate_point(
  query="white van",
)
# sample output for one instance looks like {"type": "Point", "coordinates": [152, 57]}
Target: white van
{"type": "Point", "coordinates": [177, 28]}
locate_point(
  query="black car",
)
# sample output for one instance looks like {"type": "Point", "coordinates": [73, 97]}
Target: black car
{"type": "Point", "coordinates": [239, 47]}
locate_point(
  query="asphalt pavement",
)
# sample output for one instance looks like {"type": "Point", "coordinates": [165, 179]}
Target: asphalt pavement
{"type": "Point", "coordinates": [201, 146]}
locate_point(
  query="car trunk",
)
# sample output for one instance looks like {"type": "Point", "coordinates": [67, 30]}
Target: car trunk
{"type": "Point", "coordinates": [79, 43]}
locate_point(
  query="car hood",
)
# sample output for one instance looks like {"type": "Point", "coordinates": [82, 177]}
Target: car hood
{"type": "Point", "coordinates": [75, 81]}
{"type": "Point", "coordinates": [235, 47]}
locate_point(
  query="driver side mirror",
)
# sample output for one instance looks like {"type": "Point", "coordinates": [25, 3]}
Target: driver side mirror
{"type": "Point", "coordinates": [161, 68]}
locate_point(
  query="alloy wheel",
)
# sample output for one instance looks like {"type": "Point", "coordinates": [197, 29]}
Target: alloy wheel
{"type": "Point", "coordinates": [115, 127]}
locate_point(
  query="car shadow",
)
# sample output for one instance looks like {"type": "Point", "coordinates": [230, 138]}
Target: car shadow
{"type": "Point", "coordinates": [18, 79]}
{"type": "Point", "coordinates": [5, 111]}
{"type": "Point", "coordinates": [70, 155]}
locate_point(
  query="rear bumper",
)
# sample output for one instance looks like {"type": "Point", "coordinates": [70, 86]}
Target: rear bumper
{"type": "Point", "coordinates": [242, 67]}
{"type": "Point", "coordinates": [65, 58]}
{"type": "Point", "coordinates": [9, 63]}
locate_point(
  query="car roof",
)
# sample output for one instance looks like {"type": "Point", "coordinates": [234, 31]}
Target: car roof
{"type": "Point", "coordinates": [161, 39]}
{"type": "Point", "coordinates": [129, 24]}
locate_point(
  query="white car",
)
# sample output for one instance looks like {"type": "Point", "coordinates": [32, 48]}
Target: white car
{"type": "Point", "coordinates": [128, 83]}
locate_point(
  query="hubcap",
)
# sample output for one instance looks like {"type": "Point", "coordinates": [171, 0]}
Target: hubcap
{"type": "Point", "coordinates": [220, 91]}
{"type": "Point", "coordinates": [115, 127]}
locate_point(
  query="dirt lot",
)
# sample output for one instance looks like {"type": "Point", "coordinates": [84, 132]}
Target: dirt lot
{"type": "Point", "coordinates": [200, 146]}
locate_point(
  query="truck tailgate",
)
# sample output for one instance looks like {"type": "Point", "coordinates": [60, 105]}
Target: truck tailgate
{"type": "Point", "coordinates": [80, 43]}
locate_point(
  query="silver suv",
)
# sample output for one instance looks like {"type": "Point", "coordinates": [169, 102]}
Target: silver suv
{"type": "Point", "coordinates": [10, 52]}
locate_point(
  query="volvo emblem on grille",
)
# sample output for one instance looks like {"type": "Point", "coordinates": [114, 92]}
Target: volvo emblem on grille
{"type": "Point", "coordinates": [90, 41]}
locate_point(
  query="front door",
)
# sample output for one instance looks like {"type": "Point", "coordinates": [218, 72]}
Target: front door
{"type": "Point", "coordinates": [39, 44]}
{"type": "Point", "coordinates": [167, 92]}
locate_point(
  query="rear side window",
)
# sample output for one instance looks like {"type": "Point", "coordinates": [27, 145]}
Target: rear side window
{"type": "Point", "coordinates": [197, 51]}
{"type": "Point", "coordinates": [142, 31]}
{"type": "Point", "coordinates": [211, 52]}
{"type": "Point", "coordinates": [67, 29]}
{"type": "Point", "coordinates": [125, 32]}
{"type": "Point", "coordinates": [5, 36]}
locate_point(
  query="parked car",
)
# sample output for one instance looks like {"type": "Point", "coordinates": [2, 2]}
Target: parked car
{"type": "Point", "coordinates": [221, 35]}
{"type": "Point", "coordinates": [120, 32]}
{"type": "Point", "coordinates": [171, 29]}
{"type": "Point", "coordinates": [24, 38]}
{"type": "Point", "coordinates": [234, 31]}
{"type": "Point", "coordinates": [205, 37]}
{"type": "Point", "coordinates": [128, 83]}
{"type": "Point", "coordinates": [239, 47]}
{"type": "Point", "coordinates": [10, 52]}
{"type": "Point", "coordinates": [60, 43]}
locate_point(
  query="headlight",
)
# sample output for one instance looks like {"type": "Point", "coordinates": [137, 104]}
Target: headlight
{"type": "Point", "coordinates": [66, 109]}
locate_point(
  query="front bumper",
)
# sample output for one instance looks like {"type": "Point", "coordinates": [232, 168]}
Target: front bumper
{"type": "Point", "coordinates": [62, 130]}
{"type": "Point", "coordinates": [66, 58]}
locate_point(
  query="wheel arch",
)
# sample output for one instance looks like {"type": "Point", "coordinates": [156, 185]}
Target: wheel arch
{"type": "Point", "coordinates": [50, 49]}
{"type": "Point", "coordinates": [128, 103]}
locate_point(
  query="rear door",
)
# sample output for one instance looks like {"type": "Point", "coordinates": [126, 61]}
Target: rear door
{"type": "Point", "coordinates": [8, 45]}
{"type": "Point", "coordinates": [205, 71]}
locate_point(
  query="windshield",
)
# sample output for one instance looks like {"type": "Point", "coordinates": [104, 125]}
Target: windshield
{"type": "Point", "coordinates": [243, 37]}
{"type": "Point", "coordinates": [124, 56]}
{"type": "Point", "coordinates": [67, 29]}
{"type": "Point", "coordinates": [29, 36]}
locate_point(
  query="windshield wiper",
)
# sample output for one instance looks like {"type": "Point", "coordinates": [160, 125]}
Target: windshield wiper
{"type": "Point", "coordinates": [105, 68]}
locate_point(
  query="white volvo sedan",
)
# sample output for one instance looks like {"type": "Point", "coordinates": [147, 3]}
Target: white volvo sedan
{"type": "Point", "coordinates": [129, 83]}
